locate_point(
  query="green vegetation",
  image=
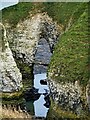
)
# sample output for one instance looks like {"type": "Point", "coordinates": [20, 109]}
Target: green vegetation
{"type": "Point", "coordinates": [62, 12]}
{"type": "Point", "coordinates": [12, 98]}
{"type": "Point", "coordinates": [69, 62]}
{"type": "Point", "coordinates": [13, 95]}
{"type": "Point", "coordinates": [19, 12]}
{"type": "Point", "coordinates": [27, 73]}
{"type": "Point", "coordinates": [57, 113]}
{"type": "Point", "coordinates": [16, 13]}
{"type": "Point", "coordinates": [70, 59]}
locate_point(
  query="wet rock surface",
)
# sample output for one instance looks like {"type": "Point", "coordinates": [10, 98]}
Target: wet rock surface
{"type": "Point", "coordinates": [41, 60]}
{"type": "Point", "coordinates": [38, 69]}
{"type": "Point", "coordinates": [43, 53]}
{"type": "Point", "coordinates": [47, 99]}
{"type": "Point", "coordinates": [42, 57]}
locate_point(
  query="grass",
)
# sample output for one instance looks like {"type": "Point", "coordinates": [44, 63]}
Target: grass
{"type": "Point", "coordinates": [62, 12]}
{"type": "Point", "coordinates": [70, 59]}
{"type": "Point", "coordinates": [14, 95]}
{"type": "Point", "coordinates": [19, 12]}
{"type": "Point", "coordinates": [57, 113]}
{"type": "Point", "coordinates": [10, 114]}
{"type": "Point", "coordinates": [69, 62]}
{"type": "Point", "coordinates": [16, 13]}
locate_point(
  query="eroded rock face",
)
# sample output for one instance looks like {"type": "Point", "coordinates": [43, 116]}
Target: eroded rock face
{"type": "Point", "coordinates": [24, 39]}
{"type": "Point", "coordinates": [10, 76]}
{"type": "Point", "coordinates": [50, 31]}
{"type": "Point", "coordinates": [67, 95]}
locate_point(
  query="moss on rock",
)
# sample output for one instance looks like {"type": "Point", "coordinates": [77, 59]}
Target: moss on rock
{"type": "Point", "coordinates": [27, 74]}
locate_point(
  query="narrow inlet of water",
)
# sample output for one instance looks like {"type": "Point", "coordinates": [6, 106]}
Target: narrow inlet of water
{"type": "Point", "coordinates": [39, 105]}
